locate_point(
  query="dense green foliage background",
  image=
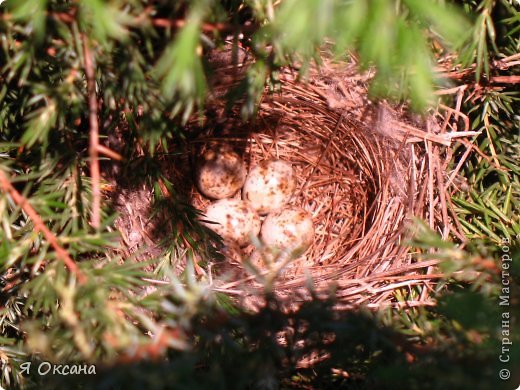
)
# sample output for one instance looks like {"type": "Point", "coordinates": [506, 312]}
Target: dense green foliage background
{"type": "Point", "coordinates": [150, 58]}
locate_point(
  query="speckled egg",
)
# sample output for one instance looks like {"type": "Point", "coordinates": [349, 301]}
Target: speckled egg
{"type": "Point", "coordinates": [233, 219]}
{"type": "Point", "coordinates": [268, 257]}
{"type": "Point", "coordinates": [220, 173]}
{"type": "Point", "coordinates": [269, 185]}
{"type": "Point", "coordinates": [290, 228]}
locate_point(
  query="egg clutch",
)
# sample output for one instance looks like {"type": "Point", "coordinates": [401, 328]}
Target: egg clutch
{"type": "Point", "coordinates": [266, 191]}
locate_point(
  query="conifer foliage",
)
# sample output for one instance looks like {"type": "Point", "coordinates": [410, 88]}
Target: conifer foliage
{"type": "Point", "coordinates": [74, 72]}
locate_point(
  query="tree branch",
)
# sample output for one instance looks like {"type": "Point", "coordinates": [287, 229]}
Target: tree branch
{"type": "Point", "coordinates": [39, 225]}
{"type": "Point", "coordinates": [94, 134]}
{"type": "Point", "coordinates": [206, 27]}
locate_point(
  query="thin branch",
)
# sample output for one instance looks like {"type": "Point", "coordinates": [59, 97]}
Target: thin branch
{"type": "Point", "coordinates": [205, 27]}
{"type": "Point", "coordinates": [458, 114]}
{"type": "Point", "coordinates": [505, 79]}
{"type": "Point", "coordinates": [450, 91]}
{"type": "Point", "coordinates": [503, 64]}
{"type": "Point", "coordinates": [39, 225]}
{"type": "Point", "coordinates": [109, 153]}
{"type": "Point", "coordinates": [94, 134]}
{"type": "Point", "coordinates": [146, 17]}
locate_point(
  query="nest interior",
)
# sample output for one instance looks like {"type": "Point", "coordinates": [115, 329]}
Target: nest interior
{"type": "Point", "coordinates": [361, 173]}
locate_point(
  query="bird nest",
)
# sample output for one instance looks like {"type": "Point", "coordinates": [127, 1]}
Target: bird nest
{"type": "Point", "coordinates": [364, 172]}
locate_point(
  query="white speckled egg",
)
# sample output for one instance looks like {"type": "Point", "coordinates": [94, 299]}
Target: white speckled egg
{"type": "Point", "coordinates": [269, 185]}
{"type": "Point", "coordinates": [268, 257]}
{"type": "Point", "coordinates": [234, 220]}
{"type": "Point", "coordinates": [257, 259]}
{"type": "Point", "coordinates": [220, 174]}
{"type": "Point", "coordinates": [290, 228]}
